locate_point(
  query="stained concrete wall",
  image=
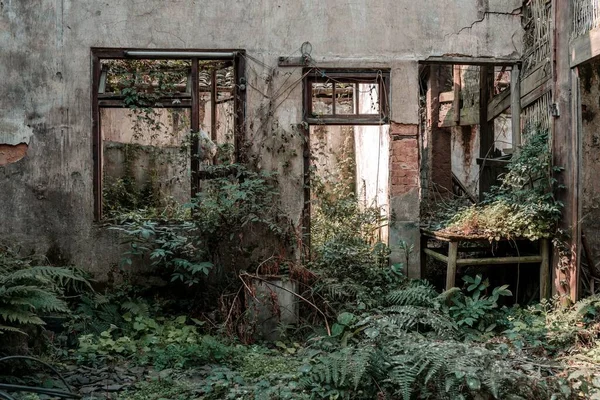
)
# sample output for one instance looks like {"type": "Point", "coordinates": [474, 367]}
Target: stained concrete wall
{"type": "Point", "coordinates": [46, 197]}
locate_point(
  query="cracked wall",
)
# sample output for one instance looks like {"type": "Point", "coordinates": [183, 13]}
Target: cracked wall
{"type": "Point", "coordinates": [46, 69]}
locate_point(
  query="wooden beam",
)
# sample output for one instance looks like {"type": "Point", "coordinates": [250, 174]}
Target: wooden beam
{"type": "Point", "coordinates": [434, 254]}
{"type": "Point", "coordinates": [535, 78]}
{"type": "Point", "coordinates": [498, 105]}
{"type": "Point", "coordinates": [499, 260]}
{"type": "Point", "coordinates": [467, 60]}
{"type": "Point", "coordinates": [515, 107]}
{"type": "Point", "coordinates": [468, 116]}
{"type": "Point", "coordinates": [584, 48]}
{"type": "Point", "coordinates": [534, 95]}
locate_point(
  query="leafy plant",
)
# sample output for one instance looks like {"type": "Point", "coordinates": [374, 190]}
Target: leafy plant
{"type": "Point", "coordinates": [474, 308]}
{"type": "Point", "coordinates": [523, 206]}
{"type": "Point", "coordinates": [30, 292]}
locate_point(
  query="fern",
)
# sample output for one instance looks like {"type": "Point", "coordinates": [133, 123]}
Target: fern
{"type": "Point", "coordinates": [344, 369]}
{"type": "Point", "coordinates": [417, 293]}
{"type": "Point", "coordinates": [413, 318]}
{"type": "Point", "coordinates": [29, 292]}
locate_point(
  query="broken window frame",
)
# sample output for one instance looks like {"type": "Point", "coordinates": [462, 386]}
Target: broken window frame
{"type": "Point", "coordinates": [190, 99]}
{"type": "Point", "coordinates": [381, 76]}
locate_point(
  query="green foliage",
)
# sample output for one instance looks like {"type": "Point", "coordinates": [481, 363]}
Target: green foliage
{"type": "Point", "coordinates": [29, 292]}
{"type": "Point", "coordinates": [523, 206]}
{"type": "Point", "coordinates": [473, 308]}
{"type": "Point", "coordinates": [177, 248]}
{"type": "Point", "coordinates": [163, 343]}
{"type": "Point", "coordinates": [353, 265]}
{"type": "Point", "coordinates": [232, 203]}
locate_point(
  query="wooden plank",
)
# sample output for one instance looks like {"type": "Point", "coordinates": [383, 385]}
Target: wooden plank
{"type": "Point", "coordinates": [468, 116]}
{"type": "Point", "coordinates": [535, 78]}
{"type": "Point", "coordinates": [498, 105]}
{"type": "Point", "coordinates": [446, 97]}
{"type": "Point", "coordinates": [500, 260]}
{"type": "Point", "coordinates": [434, 254]}
{"type": "Point", "coordinates": [584, 48]}
{"type": "Point", "coordinates": [534, 95]}
{"type": "Point", "coordinates": [515, 107]}
{"type": "Point", "coordinates": [451, 271]}
{"type": "Point", "coordinates": [545, 269]}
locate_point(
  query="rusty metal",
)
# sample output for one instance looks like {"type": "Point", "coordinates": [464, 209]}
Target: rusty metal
{"type": "Point", "coordinates": [97, 138]}
{"type": "Point", "coordinates": [213, 106]}
{"type": "Point", "coordinates": [195, 128]}
{"type": "Point", "coordinates": [239, 104]}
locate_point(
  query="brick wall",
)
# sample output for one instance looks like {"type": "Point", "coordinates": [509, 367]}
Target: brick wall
{"type": "Point", "coordinates": [404, 159]}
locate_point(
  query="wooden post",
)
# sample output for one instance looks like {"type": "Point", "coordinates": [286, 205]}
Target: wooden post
{"type": "Point", "coordinates": [515, 107]}
{"type": "Point", "coordinates": [564, 149]}
{"type": "Point", "coordinates": [424, 241]}
{"type": "Point", "coordinates": [545, 269]}
{"type": "Point", "coordinates": [457, 89]}
{"type": "Point", "coordinates": [451, 270]}
{"type": "Point", "coordinates": [486, 131]}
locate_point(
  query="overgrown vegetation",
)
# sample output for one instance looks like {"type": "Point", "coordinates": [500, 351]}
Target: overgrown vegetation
{"type": "Point", "coordinates": [29, 292]}
{"type": "Point", "coordinates": [523, 206]}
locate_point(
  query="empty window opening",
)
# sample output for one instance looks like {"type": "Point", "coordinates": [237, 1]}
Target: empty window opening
{"type": "Point", "coordinates": [158, 124]}
{"type": "Point", "coordinates": [457, 163]}
{"type": "Point", "coordinates": [347, 98]}
{"type": "Point", "coordinates": [349, 155]}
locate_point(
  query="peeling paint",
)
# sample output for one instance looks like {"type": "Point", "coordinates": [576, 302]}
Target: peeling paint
{"type": "Point", "coordinates": [12, 153]}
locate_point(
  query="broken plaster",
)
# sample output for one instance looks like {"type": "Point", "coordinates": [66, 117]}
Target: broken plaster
{"type": "Point", "coordinates": [12, 153]}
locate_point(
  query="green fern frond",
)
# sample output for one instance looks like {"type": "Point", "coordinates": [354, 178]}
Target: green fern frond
{"type": "Point", "coordinates": [61, 276]}
{"type": "Point", "coordinates": [413, 318]}
{"type": "Point", "coordinates": [417, 293]}
{"type": "Point", "coordinates": [19, 316]}
{"type": "Point", "coordinates": [137, 307]}
{"type": "Point", "coordinates": [11, 329]}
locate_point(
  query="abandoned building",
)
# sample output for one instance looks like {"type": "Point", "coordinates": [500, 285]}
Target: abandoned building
{"type": "Point", "coordinates": [424, 97]}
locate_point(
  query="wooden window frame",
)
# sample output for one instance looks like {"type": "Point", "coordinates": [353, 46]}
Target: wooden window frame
{"type": "Point", "coordinates": [351, 76]}
{"type": "Point", "coordinates": [189, 100]}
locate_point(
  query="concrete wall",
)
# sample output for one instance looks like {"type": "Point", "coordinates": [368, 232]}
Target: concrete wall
{"type": "Point", "coordinates": [45, 108]}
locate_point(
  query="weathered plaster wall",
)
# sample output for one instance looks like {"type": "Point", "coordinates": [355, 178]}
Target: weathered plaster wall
{"type": "Point", "coordinates": [46, 197]}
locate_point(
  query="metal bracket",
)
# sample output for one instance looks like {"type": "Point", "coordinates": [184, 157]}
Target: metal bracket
{"type": "Point", "coordinates": [302, 61]}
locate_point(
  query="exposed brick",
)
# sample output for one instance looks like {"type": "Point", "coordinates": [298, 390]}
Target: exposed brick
{"type": "Point", "coordinates": [10, 154]}
{"type": "Point", "coordinates": [404, 159]}
{"type": "Point", "coordinates": [403, 129]}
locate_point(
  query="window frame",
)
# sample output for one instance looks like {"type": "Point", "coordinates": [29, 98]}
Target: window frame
{"type": "Point", "coordinates": [351, 76]}
{"type": "Point", "coordinates": [184, 100]}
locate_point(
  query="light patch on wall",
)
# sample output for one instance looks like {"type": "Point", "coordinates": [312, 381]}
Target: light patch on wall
{"type": "Point", "coordinates": [12, 153]}
{"type": "Point", "coordinates": [13, 130]}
